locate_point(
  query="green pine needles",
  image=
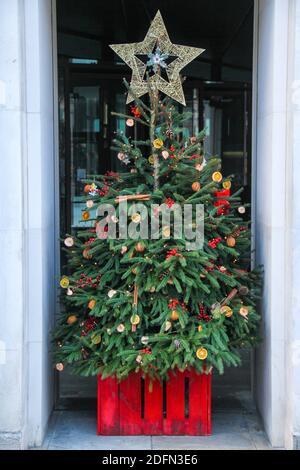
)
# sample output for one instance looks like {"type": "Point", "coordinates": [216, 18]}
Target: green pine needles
{"type": "Point", "coordinates": [153, 305]}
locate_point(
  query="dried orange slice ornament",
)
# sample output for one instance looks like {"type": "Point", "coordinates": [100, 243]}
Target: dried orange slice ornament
{"type": "Point", "coordinates": [201, 353]}
{"type": "Point", "coordinates": [217, 177]}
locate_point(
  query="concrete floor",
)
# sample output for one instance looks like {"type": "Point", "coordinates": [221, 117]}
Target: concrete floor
{"type": "Point", "coordinates": [235, 426]}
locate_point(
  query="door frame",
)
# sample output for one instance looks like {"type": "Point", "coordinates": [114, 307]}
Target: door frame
{"type": "Point", "coordinates": [274, 417]}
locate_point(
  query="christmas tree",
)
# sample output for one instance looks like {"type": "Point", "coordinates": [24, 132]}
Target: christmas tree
{"type": "Point", "coordinates": [140, 293]}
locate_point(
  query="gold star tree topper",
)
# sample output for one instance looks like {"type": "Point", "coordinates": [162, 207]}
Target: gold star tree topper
{"type": "Point", "coordinates": [157, 47]}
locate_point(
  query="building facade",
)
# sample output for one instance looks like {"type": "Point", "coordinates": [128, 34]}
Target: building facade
{"type": "Point", "coordinates": [30, 208]}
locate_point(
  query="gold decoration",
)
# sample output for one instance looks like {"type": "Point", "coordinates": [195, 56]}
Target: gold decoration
{"type": "Point", "coordinates": [136, 218]}
{"type": "Point", "coordinates": [96, 339]}
{"type": "Point", "coordinates": [156, 37]}
{"type": "Point", "coordinates": [201, 353]}
{"type": "Point", "coordinates": [151, 159]}
{"type": "Point", "coordinates": [158, 143]}
{"type": "Point", "coordinates": [227, 311]}
{"type": "Point", "coordinates": [135, 319]}
{"type": "Point", "coordinates": [64, 282]}
{"type": "Point", "coordinates": [200, 328]}
{"type": "Point", "coordinates": [92, 304]}
{"type": "Point", "coordinates": [174, 315]}
{"type": "Point", "coordinates": [227, 184]}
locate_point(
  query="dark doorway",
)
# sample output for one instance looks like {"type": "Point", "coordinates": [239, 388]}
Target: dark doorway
{"type": "Point", "coordinates": [218, 89]}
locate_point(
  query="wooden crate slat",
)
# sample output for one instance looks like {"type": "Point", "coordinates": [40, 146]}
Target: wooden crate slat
{"type": "Point", "coordinates": [108, 406]}
{"type": "Point", "coordinates": [197, 404]}
{"type": "Point", "coordinates": [153, 408]}
{"type": "Point", "coordinates": [174, 423]}
{"type": "Point", "coordinates": [130, 405]}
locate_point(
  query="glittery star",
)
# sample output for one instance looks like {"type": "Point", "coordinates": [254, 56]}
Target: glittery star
{"type": "Point", "coordinates": [156, 37]}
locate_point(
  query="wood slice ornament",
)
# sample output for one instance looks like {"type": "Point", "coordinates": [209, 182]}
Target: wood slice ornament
{"type": "Point", "coordinates": [89, 204]}
{"type": "Point", "coordinates": [69, 242]}
{"type": "Point", "coordinates": [243, 290]}
{"type": "Point", "coordinates": [196, 186]}
{"type": "Point", "coordinates": [71, 319]}
{"type": "Point", "coordinates": [244, 312]}
{"type": "Point", "coordinates": [140, 247]}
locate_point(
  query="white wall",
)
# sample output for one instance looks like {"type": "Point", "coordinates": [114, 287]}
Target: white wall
{"type": "Point", "coordinates": [27, 224]}
{"type": "Point", "coordinates": [277, 211]}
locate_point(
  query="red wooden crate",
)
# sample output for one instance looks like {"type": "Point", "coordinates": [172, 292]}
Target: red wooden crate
{"type": "Point", "coordinates": [178, 406]}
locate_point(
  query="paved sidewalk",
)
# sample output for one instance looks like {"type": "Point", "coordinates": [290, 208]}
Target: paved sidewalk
{"type": "Point", "coordinates": [235, 426]}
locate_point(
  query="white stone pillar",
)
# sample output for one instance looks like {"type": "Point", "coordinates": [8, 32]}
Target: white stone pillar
{"type": "Point", "coordinates": [292, 360]}
{"type": "Point", "coordinates": [276, 213]}
{"type": "Point", "coordinates": [27, 222]}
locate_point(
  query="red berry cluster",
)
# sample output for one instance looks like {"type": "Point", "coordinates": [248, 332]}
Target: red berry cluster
{"type": "Point", "coordinates": [203, 315]}
{"type": "Point", "coordinates": [102, 191]}
{"type": "Point", "coordinates": [89, 241]}
{"type": "Point", "coordinates": [169, 202]}
{"type": "Point", "coordinates": [88, 325]}
{"type": "Point", "coordinates": [172, 149]}
{"type": "Point", "coordinates": [87, 281]}
{"type": "Point", "coordinates": [237, 232]}
{"type": "Point", "coordinates": [173, 304]}
{"type": "Point", "coordinates": [221, 268]}
{"type": "Point", "coordinates": [213, 243]}
{"type": "Point", "coordinates": [171, 253]}
{"type": "Point", "coordinates": [113, 174]}
{"type": "Point", "coordinates": [135, 111]}
{"type": "Point", "coordinates": [192, 157]}
{"type": "Point", "coordinates": [146, 351]}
